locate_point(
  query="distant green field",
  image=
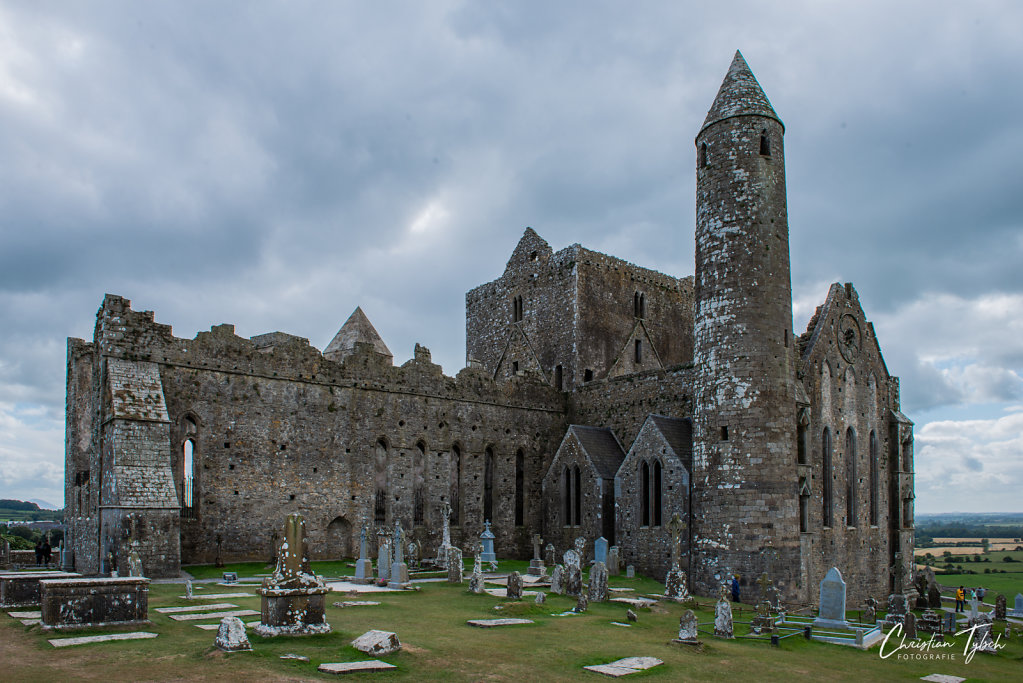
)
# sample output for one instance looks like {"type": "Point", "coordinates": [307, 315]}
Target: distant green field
{"type": "Point", "coordinates": [1007, 584]}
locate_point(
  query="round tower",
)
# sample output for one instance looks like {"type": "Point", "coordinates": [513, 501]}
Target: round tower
{"type": "Point", "coordinates": [745, 498]}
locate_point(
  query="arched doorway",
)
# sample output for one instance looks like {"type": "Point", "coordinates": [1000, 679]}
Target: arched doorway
{"type": "Point", "coordinates": [339, 539]}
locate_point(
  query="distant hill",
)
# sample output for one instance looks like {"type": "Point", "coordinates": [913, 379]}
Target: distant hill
{"type": "Point", "coordinates": [44, 505]}
{"type": "Point", "coordinates": [24, 505]}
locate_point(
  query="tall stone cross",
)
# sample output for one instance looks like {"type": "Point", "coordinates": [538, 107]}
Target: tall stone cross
{"type": "Point", "coordinates": [399, 542]}
{"type": "Point", "coordinates": [898, 571]}
{"type": "Point", "coordinates": [676, 526]}
{"type": "Point", "coordinates": [290, 559]}
{"type": "Point", "coordinates": [445, 513]}
{"type": "Point", "coordinates": [537, 542]}
{"type": "Point", "coordinates": [765, 585]}
{"type": "Point", "coordinates": [363, 547]}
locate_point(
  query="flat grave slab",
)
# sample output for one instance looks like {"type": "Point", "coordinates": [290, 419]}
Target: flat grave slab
{"type": "Point", "coordinates": [942, 678]}
{"type": "Point", "coordinates": [349, 587]}
{"type": "Point", "coordinates": [491, 623]}
{"type": "Point", "coordinates": [354, 667]}
{"type": "Point", "coordinates": [26, 615]}
{"type": "Point", "coordinates": [194, 608]}
{"type": "Point", "coordinates": [85, 640]}
{"type": "Point", "coordinates": [503, 592]}
{"type": "Point", "coordinates": [626, 666]}
{"type": "Point", "coordinates": [635, 602]}
{"type": "Point", "coordinates": [214, 627]}
{"type": "Point", "coordinates": [356, 603]}
{"type": "Point", "coordinates": [218, 596]}
{"type": "Point", "coordinates": [191, 616]}
{"type": "Point", "coordinates": [31, 622]}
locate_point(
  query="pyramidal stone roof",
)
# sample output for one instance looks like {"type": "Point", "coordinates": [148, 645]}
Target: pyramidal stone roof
{"type": "Point", "coordinates": [740, 95]}
{"type": "Point", "coordinates": [357, 328]}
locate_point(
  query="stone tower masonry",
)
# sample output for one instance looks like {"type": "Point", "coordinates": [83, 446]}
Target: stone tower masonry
{"type": "Point", "coordinates": [745, 507]}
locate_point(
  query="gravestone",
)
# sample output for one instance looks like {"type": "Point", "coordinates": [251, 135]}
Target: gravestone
{"type": "Point", "coordinates": [487, 539]}
{"type": "Point", "coordinates": [631, 616]}
{"type": "Point", "coordinates": [675, 586]}
{"type": "Point", "coordinates": [723, 616]}
{"type": "Point", "coordinates": [582, 604]}
{"type": "Point", "coordinates": [384, 562]}
{"type": "Point", "coordinates": [614, 561]}
{"type": "Point", "coordinates": [445, 543]}
{"type": "Point", "coordinates": [399, 570]}
{"type": "Point", "coordinates": [909, 626]}
{"type": "Point", "coordinates": [364, 565]}
{"type": "Point", "coordinates": [688, 628]}
{"type": "Point", "coordinates": [5, 554]}
{"type": "Point", "coordinates": [1018, 607]}
{"type": "Point", "coordinates": [454, 565]}
{"type": "Point", "coordinates": [934, 596]}
{"type": "Point", "coordinates": [870, 611]}
{"type": "Point", "coordinates": [974, 609]}
{"type": "Point", "coordinates": [950, 622]}
{"type": "Point", "coordinates": [929, 622]}
{"type": "Point", "coordinates": [414, 558]}
{"type": "Point", "coordinates": [600, 550]}
{"type": "Point", "coordinates": [1000, 604]}
{"type": "Point", "coordinates": [573, 574]}
{"type": "Point", "coordinates": [580, 547]}
{"type": "Point", "coordinates": [188, 590]}
{"type": "Point", "coordinates": [476, 578]}
{"type": "Point", "coordinates": [514, 591]}
{"type": "Point", "coordinates": [598, 582]}
{"type": "Point", "coordinates": [832, 602]}
{"type": "Point", "coordinates": [550, 557]}
{"type": "Point", "coordinates": [630, 572]}
{"type": "Point", "coordinates": [540, 598]}
{"type": "Point", "coordinates": [377, 643]}
{"type": "Point", "coordinates": [762, 621]}
{"type": "Point", "coordinates": [898, 603]}
{"type": "Point", "coordinates": [558, 580]}
{"type": "Point", "coordinates": [231, 636]}
{"type": "Point", "coordinates": [675, 582]}
{"type": "Point", "coordinates": [292, 598]}
{"type": "Point", "coordinates": [536, 565]}
{"type": "Point", "coordinates": [134, 563]}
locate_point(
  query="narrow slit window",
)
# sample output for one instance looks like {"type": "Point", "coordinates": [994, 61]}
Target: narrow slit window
{"type": "Point", "coordinates": [765, 144]}
{"type": "Point", "coordinates": [639, 351]}
{"type": "Point", "coordinates": [703, 155]}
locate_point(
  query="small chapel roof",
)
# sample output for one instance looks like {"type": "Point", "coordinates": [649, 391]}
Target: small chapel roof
{"type": "Point", "coordinates": [740, 95]}
{"type": "Point", "coordinates": [678, 432]}
{"type": "Point", "coordinates": [602, 448]}
{"type": "Point", "coordinates": [357, 328]}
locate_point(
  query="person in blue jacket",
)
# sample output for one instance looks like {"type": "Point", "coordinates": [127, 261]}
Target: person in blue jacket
{"type": "Point", "coordinates": [735, 588]}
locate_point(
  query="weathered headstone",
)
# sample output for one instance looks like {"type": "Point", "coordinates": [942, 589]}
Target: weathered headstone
{"type": "Point", "coordinates": [898, 603]}
{"type": "Point", "coordinates": [630, 572]}
{"type": "Point", "coordinates": [929, 622]}
{"type": "Point", "coordinates": [377, 643]}
{"type": "Point", "coordinates": [134, 563]}
{"type": "Point", "coordinates": [540, 598]}
{"type": "Point", "coordinates": [445, 543]}
{"type": "Point", "coordinates": [934, 596]}
{"type": "Point", "coordinates": [1018, 606]}
{"type": "Point", "coordinates": [598, 583]}
{"type": "Point", "coordinates": [870, 611]}
{"type": "Point", "coordinates": [762, 621]}
{"type": "Point", "coordinates": [580, 547]}
{"type": "Point", "coordinates": [573, 574]}
{"type": "Point", "coordinates": [550, 557]}
{"type": "Point", "coordinates": [723, 617]}
{"type": "Point", "coordinates": [950, 622]}
{"type": "Point", "coordinates": [558, 580]}
{"type": "Point", "coordinates": [487, 539]}
{"type": "Point", "coordinates": [675, 586]}
{"type": "Point", "coordinates": [384, 562]}
{"type": "Point", "coordinates": [974, 609]}
{"type": "Point", "coordinates": [476, 578]}
{"type": "Point", "coordinates": [909, 626]}
{"type": "Point", "coordinates": [582, 604]}
{"type": "Point", "coordinates": [514, 591]}
{"type": "Point", "coordinates": [293, 597]}
{"type": "Point", "coordinates": [231, 635]}
{"type": "Point", "coordinates": [454, 565]}
{"type": "Point", "coordinates": [364, 565]}
{"type": "Point", "coordinates": [600, 550]}
{"type": "Point", "coordinates": [688, 628]}
{"type": "Point", "coordinates": [399, 569]}
{"type": "Point", "coordinates": [188, 590]}
{"type": "Point", "coordinates": [536, 565]}
{"type": "Point", "coordinates": [630, 615]}
{"type": "Point", "coordinates": [1000, 604]}
{"type": "Point", "coordinates": [832, 602]}
{"type": "Point", "coordinates": [614, 561]}
{"type": "Point", "coordinates": [414, 558]}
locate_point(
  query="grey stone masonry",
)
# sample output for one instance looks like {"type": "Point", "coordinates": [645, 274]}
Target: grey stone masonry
{"type": "Point", "coordinates": [86, 602]}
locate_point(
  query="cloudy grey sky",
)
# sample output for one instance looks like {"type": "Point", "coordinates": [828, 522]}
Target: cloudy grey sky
{"type": "Point", "coordinates": [274, 165]}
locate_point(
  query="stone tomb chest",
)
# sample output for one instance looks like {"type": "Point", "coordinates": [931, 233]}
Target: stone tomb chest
{"type": "Point", "coordinates": [21, 589]}
{"type": "Point", "coordinates": [74, 603]}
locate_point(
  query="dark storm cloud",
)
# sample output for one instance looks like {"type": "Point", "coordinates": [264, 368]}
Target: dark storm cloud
{"type": "Point", "coordinates": [274, 165]}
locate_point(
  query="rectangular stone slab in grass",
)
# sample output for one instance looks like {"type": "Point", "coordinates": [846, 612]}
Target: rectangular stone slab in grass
{"type": "Point", "coordinates": [635, 602]}
{"type": "Point", "coordinates": [354, 667]}
{"type": "Point", "coordinates": [26, 615]}
{"type": "Point", "coordinates": [85, 640]}
{"type": "Point", "coordinates": [218, 596]}
{"type": "Point", "coordinates": [194, 608]}
{"type": "Point", "coordinates": [214, 627]}
{"type": "Point", "coordinates": [624, 667]}
{"type": "Point", "coordinates": [491, 623]}
{"type": "Point", "coordinates": [213, 615]}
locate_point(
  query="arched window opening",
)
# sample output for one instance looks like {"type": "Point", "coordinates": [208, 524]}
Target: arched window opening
{"type": "Point", "coordinates": [907, 512]}
{"type": "Point", "coordinates": [874, 477]}
{"type": "Point", "coordinates": [188, 480]}
{"type": "Point", "coordinates": [804, 512]}
{"type": "Point", "coordinates": [639, 305]}
{"type": "Point", "coordinates": [418, 477]}
{"type": "Point", "coordinates": [567, 477]}
{"type": "Point", "coordinates": [765, 144]}
{"type": "Point", "coordinates": [578, 497]}
{"type": "Point", "coordinates": [644, 496]}
{"type": "Point", "coordinates": [516, 309]}
{"type": "Point", "coordinates": [657, 493]}
{"type": "Point", "coordinates": [639, 351]}
{"type": "Point", "coordinates": [703, 155]}
{"type": "Point", "coordinates": [850, 476]}
{"type": "Point", "coordinates": [380, 482]}
{"type": "Point", "coordinates": [520, 486]}
{"type": "Point", "coordinates": [559, 379]}
{"type": "Point", "coordinates": [801, 429]}
{"type": "Point", "coordinates": [488, 484]}
{"type": "Point", "coordinates": [907, 455]}
{"type": "Point", "coordinates": [455, 483]}
{"type": "Point", "coordinates": [588, 375]}
{"type": "Point", "coordinates": [826, 475]}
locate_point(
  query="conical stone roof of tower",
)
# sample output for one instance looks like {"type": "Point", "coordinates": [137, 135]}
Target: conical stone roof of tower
{"type": "Point", "coordinates": [740, 95]}
{"type": "Point", "coordinates": [356, 329]}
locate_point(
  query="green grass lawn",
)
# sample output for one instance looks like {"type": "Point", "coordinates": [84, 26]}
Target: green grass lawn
{"type": "Point", "coordinates": [438, 645]}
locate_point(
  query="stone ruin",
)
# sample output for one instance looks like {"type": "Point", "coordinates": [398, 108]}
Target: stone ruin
{"type": "Point", "coordinates": [292, 598]}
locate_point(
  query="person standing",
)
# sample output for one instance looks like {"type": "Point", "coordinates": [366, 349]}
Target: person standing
{"type": "Point", "coordinates": [735, 588]}
{"type": "Point", "coordinates": [47, 552]}
{"type": "Point", "coordinates": [39, 552]}
{"type": "Point", "coordinates": [960, 599]}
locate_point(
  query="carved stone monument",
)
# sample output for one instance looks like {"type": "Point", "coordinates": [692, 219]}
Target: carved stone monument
{"type": "Point", "coordinates": [933, 596]}
{"type": "Point", "coordinates": [399, 570]}
{"type": "Point", "coordinates": [688, 629]}
{"type": "Point", "coordinates": [909, 626]}
{"type": "Point", "coordinates": [293, 597]}
{"type": "Point", "coordinates": [573, 574]}
{"type": "Point", "coordinates": [675, 582]}
{"type": "Point", "coordinates": [870, 611]}
{"type": "Point", "coordinates": [898, 603]}
{"type": "Point", "coordinates": [550, 556]}
{"type": "Point", "coordinates": [614, 561]}
{"type": "Point", "coordinates": [476, 578]}
{"type": "Point", "coordinates": [487, 539]}
{"type": "Point", "coordinates": [231, 636]}
{"type": "Point", "coordinates": [536, 566]}
{"type": "Point", "coordinates": [598, 583]}
{"type": "Point", "coordinates": [383, 561]}
{"type": "Point", "coordinates": [364, 565]}
{"type": "Point", "coordinates": [1000, 604]}
{"type": "Point", "coordinates": [514, 591]}
{"type": "Point", "coordinates": [723, 616]}
{"type": "Point", "coordinates": [454, 565]}
{"type": "Point", "coordinates": [832, 602]}
{"type": "Point", "coordinates": [445, 543]}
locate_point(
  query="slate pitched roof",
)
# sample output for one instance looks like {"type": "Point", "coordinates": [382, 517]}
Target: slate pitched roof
{"type": "Point", "coordinates": [678, 432]}
{"type": "Point", "coordinates": [601, 447]}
